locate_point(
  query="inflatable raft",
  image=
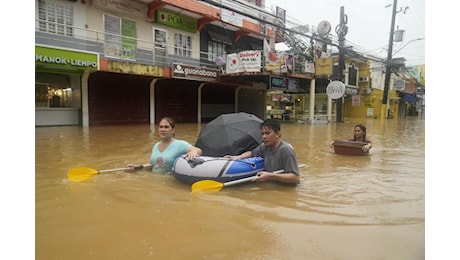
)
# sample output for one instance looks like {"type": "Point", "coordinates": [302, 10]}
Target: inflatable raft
{"type": "Point", "coordinates": [219, 169]}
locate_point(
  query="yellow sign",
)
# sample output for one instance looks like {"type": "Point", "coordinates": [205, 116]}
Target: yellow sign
{"type": "Point", "coordinates": [133, 68]}
{"type": "Point", "coordinates": [324, 66]}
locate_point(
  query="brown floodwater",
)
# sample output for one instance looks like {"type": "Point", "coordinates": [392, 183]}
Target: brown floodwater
{"type": "Point", "coordinates": [346, 207]}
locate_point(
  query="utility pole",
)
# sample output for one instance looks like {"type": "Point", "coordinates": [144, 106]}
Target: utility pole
{"type": "Point", "coordinates": [341, 32]}
{"type": "Point", "coordinates": [385, 101]}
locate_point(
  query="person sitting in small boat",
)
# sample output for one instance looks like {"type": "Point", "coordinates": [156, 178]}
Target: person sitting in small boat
{"type": "Point", "coordinates": [277, 155]}
{"type": "Point", "coordinates": [165, 152]}
{"type": "Point", "coordinates": [360, 136]}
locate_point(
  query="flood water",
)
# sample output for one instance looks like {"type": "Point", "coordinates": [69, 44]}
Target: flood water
{"type": "Point", "coordinates": [346, 207]}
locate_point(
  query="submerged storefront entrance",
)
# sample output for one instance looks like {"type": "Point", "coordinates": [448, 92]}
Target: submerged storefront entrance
{"type": "Point", "coordinates": [298, 100]}
{"type": "Point", "coordinates": [58, 74]}
{"type": "Point", "coordinates": [57, 99]}
{"type": "Point", "coordinates": [290, 107]}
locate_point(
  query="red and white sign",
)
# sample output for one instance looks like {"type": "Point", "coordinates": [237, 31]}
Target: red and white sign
{"type": "Point", "coordinates": [233, 64]}
{"type": "Point", "coordinates": [245, 61]}
{"type": "Point", "coordinates": [355, 100]}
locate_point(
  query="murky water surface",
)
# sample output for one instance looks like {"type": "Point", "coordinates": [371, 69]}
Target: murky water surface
{"type": "Point", "coordinates": [346, 207]}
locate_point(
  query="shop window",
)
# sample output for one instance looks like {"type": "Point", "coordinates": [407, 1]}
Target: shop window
{"type": "Point", "coordinates": [41, 95]}
{"type": "Point", "coordinates": [216, 49]}
{"type": "Point", "coordinates": [53, 91]}
{"type": "Point", "coordinates": [182, 45]}
{"type": "Point", "coordinates": [352, 75]}
{"type": "Point", "coordinates": [120, 37]}
{"type": "Point", "coordinates": [55, 18]}
{"type": "Point", "coordinates": [160, 39]}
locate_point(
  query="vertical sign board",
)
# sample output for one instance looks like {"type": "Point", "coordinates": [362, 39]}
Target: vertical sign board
{"type": "Point", "coordinates": [370, 111]}
{"type": "Point", "coordinates": [128, 40]}
{"type": "Point", "coordinates": [355, 100]}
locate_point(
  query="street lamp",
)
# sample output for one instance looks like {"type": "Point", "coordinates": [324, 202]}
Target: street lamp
{"type": "Point", "coordinates": [418, 39]}
{"type": "Point", "coordinates": [386, 97]}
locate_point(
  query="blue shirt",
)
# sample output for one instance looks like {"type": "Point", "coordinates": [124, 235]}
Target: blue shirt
{"type": "Point", "coordinates": [162, 162]}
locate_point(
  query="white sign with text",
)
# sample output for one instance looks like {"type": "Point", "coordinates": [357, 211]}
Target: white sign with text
{"type": "Point", "coordinates": [335, 89]}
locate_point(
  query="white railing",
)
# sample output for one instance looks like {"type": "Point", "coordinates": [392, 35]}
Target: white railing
{"type": "Point", "coordinates": [85, 39]}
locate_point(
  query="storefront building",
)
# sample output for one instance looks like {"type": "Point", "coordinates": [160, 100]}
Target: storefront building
{"type": "Point", "coordinates": [108, 63]}
{"type": "Point", "coordinates": [58, 77]}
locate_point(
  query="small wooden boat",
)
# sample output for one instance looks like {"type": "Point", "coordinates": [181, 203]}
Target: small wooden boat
{"type": "Point", "coordinates": [349, 147]}
{"type": "Point", "coordinates": [219, 169]}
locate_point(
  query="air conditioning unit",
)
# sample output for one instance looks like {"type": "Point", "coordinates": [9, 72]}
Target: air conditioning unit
{"type": "Point", "coordinates": [364, 79]}
{"type": "Point", "coordinates": [366, 91]}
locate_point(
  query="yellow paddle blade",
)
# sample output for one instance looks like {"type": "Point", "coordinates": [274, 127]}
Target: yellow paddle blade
{"type": "Point", "coordinates": [81, 174]}
{"type": "Point", "coordinates": [207, 186]}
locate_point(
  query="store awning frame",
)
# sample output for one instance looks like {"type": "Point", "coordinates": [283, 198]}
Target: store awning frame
{"type": "Point", "coordinates": [218, 37]}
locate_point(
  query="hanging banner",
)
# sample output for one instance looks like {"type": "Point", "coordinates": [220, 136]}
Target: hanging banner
{"type": "Point", "coordinates": [275, 61]}
{"type": "Point", "coordinates": [309, 67]}
{"type": "Point", "coordinates": [233, 64]}
{"type": "Point", "coordinates": [112, 29]}
{"type": "Point", "coordinates": [128, 40]}
{"type": "Point", "coordinates": [411, 86]}
{"type": "Point", "coordinates": [250, 60]}
{"type": "Point", "coordinates": [324, 66]}
{"type": "Point", "coordinates": [232, 17]}
{"type": "Point", "coordinates": [120, 37]}
{"type": "Point", "coordinates": [289, 63]}
{"type": "Point", "coordinates": [245, 61]}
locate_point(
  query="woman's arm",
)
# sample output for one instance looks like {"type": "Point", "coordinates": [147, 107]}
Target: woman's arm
{"type": "Point", "coordinates": [134, 167]}
{"type": "Point", "coordinates": [367, 147]}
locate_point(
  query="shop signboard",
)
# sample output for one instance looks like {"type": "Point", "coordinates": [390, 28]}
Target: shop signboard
{"type": "Point", "coordinates": [66, 60]}
{"type": "Point", "coordinates": [399, 85]}
{"type": "Point", "coordinates": [195, 73]}
{"type": "Point", "coordinates": [335, 89]}
{"type": "Point", "coordinates": [285, 84]}
{"type": "Point", "coordinates": [176, 21]}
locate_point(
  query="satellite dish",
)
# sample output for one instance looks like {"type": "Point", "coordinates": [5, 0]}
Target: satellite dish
{"type": "Point", "coordinates": [324, 28]}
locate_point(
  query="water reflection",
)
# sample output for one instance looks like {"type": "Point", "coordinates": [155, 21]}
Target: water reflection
{"type": "Point", "coordinates": [346, 207]}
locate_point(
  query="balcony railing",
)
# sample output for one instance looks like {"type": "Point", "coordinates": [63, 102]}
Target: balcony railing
{"type": "Point", "coordinates": [146, 52]}
{"type": "Point", "coordinates": [89, 40]}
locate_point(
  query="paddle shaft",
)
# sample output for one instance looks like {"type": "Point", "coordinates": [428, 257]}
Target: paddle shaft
{"type": "Point", "coordinates": [230, 183]}
{"type": "Point", "coordinates": [84, 173]}
{"type": "Point", "coordinates": [135, 167]}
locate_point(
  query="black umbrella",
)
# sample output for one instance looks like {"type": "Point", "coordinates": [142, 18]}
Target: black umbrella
{"type": "Point", "coordinates": [230, 134]}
